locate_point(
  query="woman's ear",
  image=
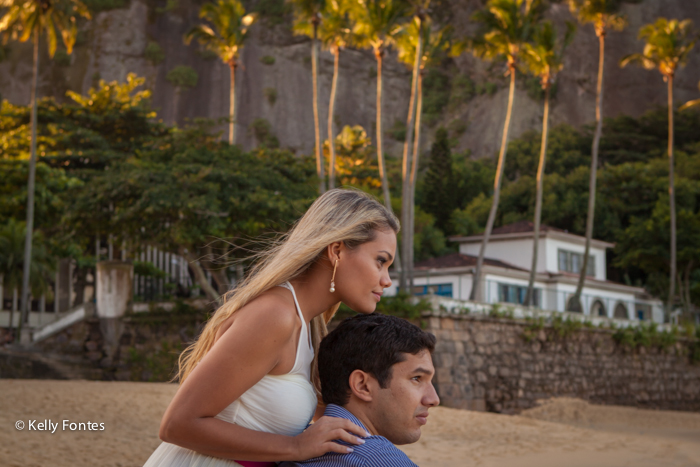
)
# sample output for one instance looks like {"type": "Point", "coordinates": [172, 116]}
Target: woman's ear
{"type": "Point", "coordinates": [334, 250]}
{"type": "Point", "coordinates": [362, 385]}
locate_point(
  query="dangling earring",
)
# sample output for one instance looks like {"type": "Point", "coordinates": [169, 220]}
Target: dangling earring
{"type": "Point", "coordinates": [332, 289]}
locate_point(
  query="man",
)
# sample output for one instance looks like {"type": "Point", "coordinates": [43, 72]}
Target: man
{"type": "Point", "coordinates": [376, 371]}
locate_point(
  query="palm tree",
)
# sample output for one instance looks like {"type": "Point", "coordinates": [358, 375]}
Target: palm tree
{"type": "Point", "coordinates": [377, 24]}
{"type": "Point", "coordinates": [507, 25]}
{"type": "Point", "coordinates": [226, 38]}
{"type": "Point", "coordinates": [544, 58]}
{"type": "Point", "coordinates": [335, 33]}
{"type": "Point", "coordinates": [414, 34]}
{"type": "Point", "coordinates": [604, 16]}
{"type": "Point", "coordinates": [305, 12]}
{"type": "Point", "coordinates": [668, 43]}
{"type": "Point", "coordinates": [419, 45]}
{"type": "Point", "coordinates": [689, 104]}
{"type": "Point", "coordinates": [12, 237]}
{"type": "Point", "coordinates": [23, 20]}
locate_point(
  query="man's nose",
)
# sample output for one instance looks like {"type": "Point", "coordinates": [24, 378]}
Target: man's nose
{"type": "Point", "coordinates": [431, 399]}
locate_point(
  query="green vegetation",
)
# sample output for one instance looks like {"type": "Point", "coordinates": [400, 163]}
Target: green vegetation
{"type": "Point", "coordinates": [273, 12]}
{"type": "Point", "coordinates": [270, 95]}
{"type": "Point", "coordinates": [267, 60]}
{"type": "Point", "coordinates": [154, 53]}
{"type": "Point", "coordinates": [401, 305]}
{"type": "Point", "coordinates": [97, 6]}
{"type": "Point", "coordinates": [154, 366]}
{"type": "Point", "coordinates": [398, 130]}
{"type": "Point", "coordinates": [61, 58]}
{"type": "Point", "coordinates": [646, 336]}
{"type": "Point", "coordinates": [262, 130]}
{"type": "Point", "coordinates": [436, 95]}
{"type": "Point", "coordinates": [182, 77]}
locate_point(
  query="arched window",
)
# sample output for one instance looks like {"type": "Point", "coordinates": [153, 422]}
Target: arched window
{"type": "Point", "coordinates": [574, 305]}
{"type": "Point", "coordinates": [598, 309]}
{"type": "Point", "coordinates": [620, 311]}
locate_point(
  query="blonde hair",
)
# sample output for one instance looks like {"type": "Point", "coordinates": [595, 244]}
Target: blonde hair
{"type": "Point", "coordinates": [347, 216]}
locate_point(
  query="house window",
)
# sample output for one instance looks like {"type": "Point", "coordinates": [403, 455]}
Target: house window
{"type": "Point", "coordinates": [620, 311]}
{"type": "Point", "coordinates": [444, 290]}
{"type": "Point", "coordinates": [510, 293]}
{"type": "Point", "coordinates": [572, 262]}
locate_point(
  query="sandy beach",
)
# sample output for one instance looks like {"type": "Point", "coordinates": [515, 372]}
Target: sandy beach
{"type": "Point", "coordinates": [561, 432]}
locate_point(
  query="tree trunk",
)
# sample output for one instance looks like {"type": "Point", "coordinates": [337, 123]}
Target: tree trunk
{"type": "Point", "coordinates": [672, 198]}
{"type": "Point", "coordinates": [378, 53]}
{"type": "Point", "coordinates": [217, 269]}
{"type": "Point", "coordinates": [200, 276]}
{"type": "Point", "coordinates": [317, 127]}
{"type": "Point", "coordinates": [475, 293]}
{"type": "Point", "coordinates": [380, 154]}
{"type": "Point", "coordinates": [529, 298]}
{"type": "Point", "coordinates": [406, 169]}
{"type": "Point", "coordinates": [414, 174]}
{"type": "Point", "coordinates": [331, 105]}
{"type": "Point", "coordinates": [24, 299]}
{"type": "Point", "coordinates": [232, 104]}
{"type": "Point", "coordinates": [593, 174]}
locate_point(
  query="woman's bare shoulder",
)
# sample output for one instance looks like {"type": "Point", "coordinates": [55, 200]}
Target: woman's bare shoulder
{"type": "Point", "coordinates": [273, 308]}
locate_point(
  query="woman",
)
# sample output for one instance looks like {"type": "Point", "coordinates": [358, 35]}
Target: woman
{"type": "Point", "coordinates": [247, 384]}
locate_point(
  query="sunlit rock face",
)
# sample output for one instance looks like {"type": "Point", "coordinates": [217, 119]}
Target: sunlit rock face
{"type": "Point", "coordinates": [115, 41]}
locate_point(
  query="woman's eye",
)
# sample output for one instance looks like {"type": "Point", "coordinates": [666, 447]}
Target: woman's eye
{"type": "Point", "coordinates": [381, 260]}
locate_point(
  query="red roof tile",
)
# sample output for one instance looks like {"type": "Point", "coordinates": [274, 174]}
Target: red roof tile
{"type": "Point", "coordinates": [522, 227]}
{"type": "Point", "coordinates": [456, 260]}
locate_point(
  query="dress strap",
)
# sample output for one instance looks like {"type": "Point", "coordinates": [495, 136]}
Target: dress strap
{"type": "Point", "coordinates": [288, 285]}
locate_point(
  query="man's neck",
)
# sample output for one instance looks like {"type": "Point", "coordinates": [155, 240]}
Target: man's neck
{"type": "Point", "coordinates": [359, 410]}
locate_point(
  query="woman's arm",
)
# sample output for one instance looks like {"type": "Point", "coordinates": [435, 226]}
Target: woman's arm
{"type": "Point", "coordinates": [247, 351]}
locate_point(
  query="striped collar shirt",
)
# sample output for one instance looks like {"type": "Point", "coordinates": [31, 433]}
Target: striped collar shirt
{"type": "Point", "coordinates": [376, 452]}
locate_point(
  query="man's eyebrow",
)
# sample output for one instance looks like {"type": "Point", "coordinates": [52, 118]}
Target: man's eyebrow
{"type": "Point", "coordinates": [422, 370]}
{"type": "Point", "coordinates": [384, 251]}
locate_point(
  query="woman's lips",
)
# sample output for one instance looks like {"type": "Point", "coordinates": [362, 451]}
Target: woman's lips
{"type": "Point", "coordinates": [377, 295]}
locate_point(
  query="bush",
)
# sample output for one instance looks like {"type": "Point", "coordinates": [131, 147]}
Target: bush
{"type": "Point", "coordinates": [262, 130]}
{"type": "Point", "coordinates": [61, 58]}
{"type": "Point", "coordinates": [436, 95]}
{"type": "Point", "coordinates": [398, 130]}
{"type": "Point", "coordinates": [154, 53]}
{"type": "Point", "coordinates": [182, 76]}
{"type": "Point", "coordinates": [400, 305]}
{"type": "Point", "coordinates": [274, 12]}
{"type": "Point", "coordinates": [267, 60]}
{"type": "Point", "coordinates": [95, 6]}
{"type": "Point", "coordinates": [271, 95]}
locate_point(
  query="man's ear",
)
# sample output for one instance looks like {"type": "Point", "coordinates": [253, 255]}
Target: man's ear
{"type": "Point", "coordinates": [334, 250]}
{"type": "Point", "coordinates": [363, 385]}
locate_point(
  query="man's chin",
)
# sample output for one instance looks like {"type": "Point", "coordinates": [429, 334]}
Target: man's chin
{"type": "Point", "coordinates": [407, 438]}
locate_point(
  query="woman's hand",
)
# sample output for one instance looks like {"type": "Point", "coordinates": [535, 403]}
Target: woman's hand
{"type": "Point", "coordinates": [319, 438]}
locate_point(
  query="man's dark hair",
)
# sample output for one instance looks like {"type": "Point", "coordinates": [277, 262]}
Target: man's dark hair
{"type": "Point", "coordinates": [372, 343]}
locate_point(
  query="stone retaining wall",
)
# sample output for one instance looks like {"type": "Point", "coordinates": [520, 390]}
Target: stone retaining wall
{"type": "Point", "coordinates": [485, 363]}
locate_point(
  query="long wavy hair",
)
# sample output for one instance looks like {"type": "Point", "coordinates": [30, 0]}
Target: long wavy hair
{"type": "Point", "coordinates": [347, 216]}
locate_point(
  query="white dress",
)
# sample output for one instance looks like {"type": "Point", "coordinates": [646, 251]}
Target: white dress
{"type": "Point", "coordinates": [280, 404]}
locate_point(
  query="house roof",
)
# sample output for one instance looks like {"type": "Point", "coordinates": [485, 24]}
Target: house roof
{"type": "Point", "coordinates": [525, 229]}
{"type": "Point", "coordinates": [449, 263]}
{"type": "Point", "coordinates": [457, 260]}
{"type": "Point", "coordinates": [522, 227]}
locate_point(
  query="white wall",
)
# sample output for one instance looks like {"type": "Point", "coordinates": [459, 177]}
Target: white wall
{"type": "Point", "coordinates": [461, 284]}
{"type": "Point", "coordinates": [553, 245]}
{"type": "Point", "coordinates": [517, 252]}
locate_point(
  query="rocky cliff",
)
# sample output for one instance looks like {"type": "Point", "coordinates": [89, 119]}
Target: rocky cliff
{"type": "Point", "coordinates": [274, 83]}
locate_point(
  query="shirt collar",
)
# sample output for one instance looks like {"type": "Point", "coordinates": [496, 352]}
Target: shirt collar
{"type": "Point", "coordinates": [337, 411]}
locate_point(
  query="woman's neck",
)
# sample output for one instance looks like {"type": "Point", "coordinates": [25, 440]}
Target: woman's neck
{"type": "Point", "coordinates": [312, 290]}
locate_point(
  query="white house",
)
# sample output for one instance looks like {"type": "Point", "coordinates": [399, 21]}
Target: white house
{"type": "Point", "coordinates": [506, 271]}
